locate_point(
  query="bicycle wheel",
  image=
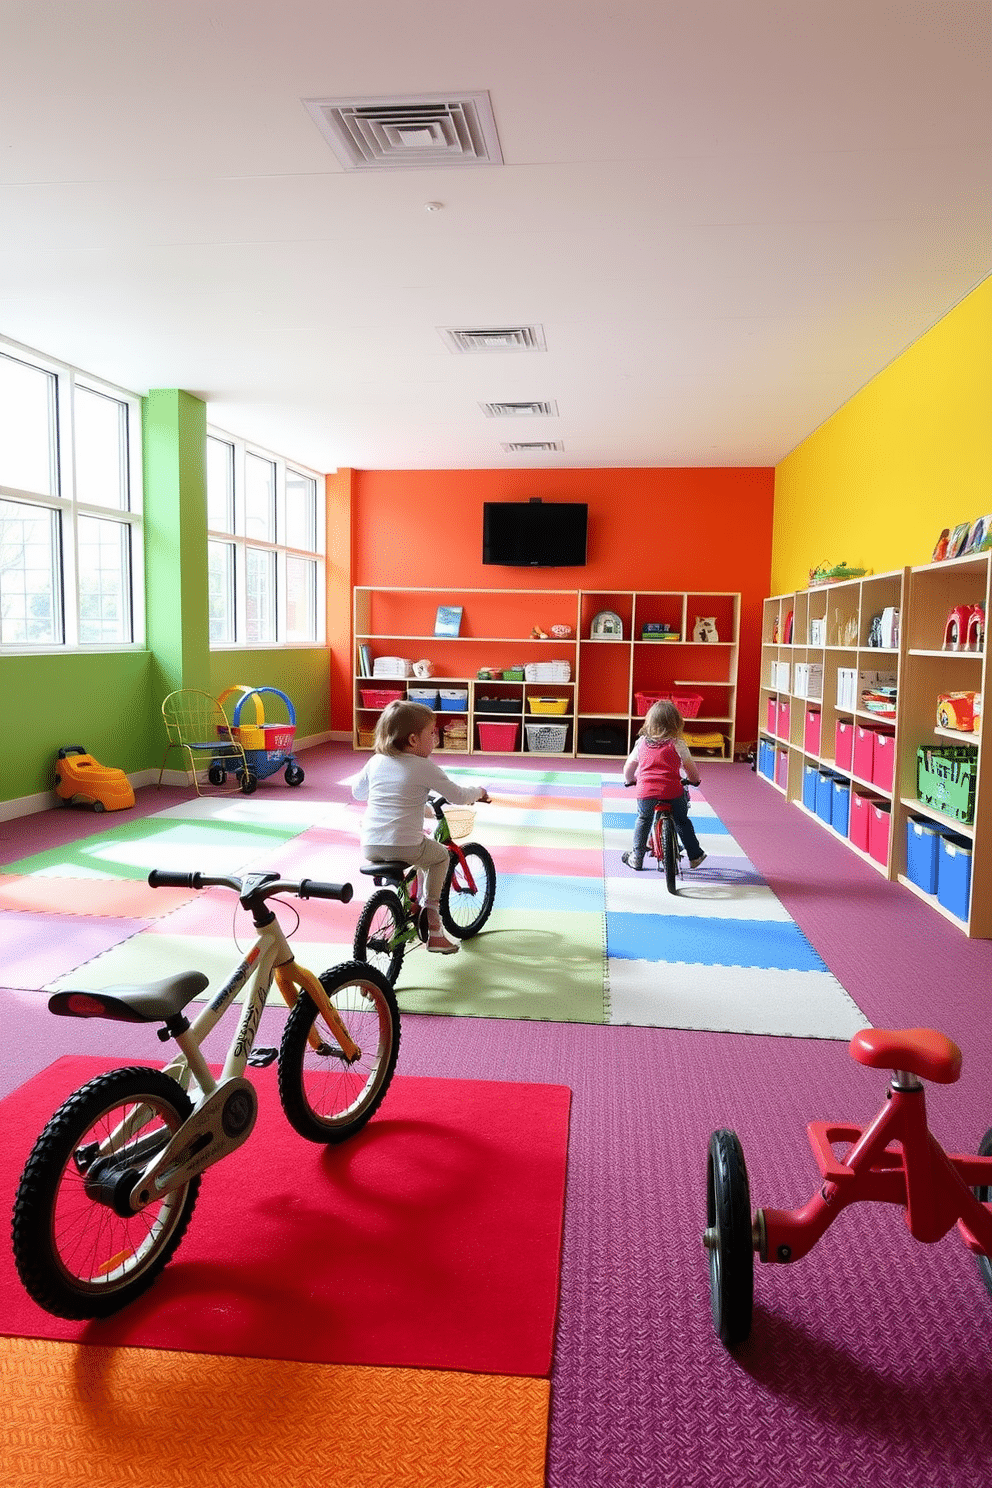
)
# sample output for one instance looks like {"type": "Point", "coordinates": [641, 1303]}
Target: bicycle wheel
{"type": "Point", "coordinates": [984, 1195]}
{"type": "Point", "coordinates": [464, 909]}
{"type": "Point", "coordinates": [377, 934]}
{"type": "Point", "coordinates": [78, 1253]}
{"type": "Point", "coordinates": [325, 1098]}
{"type": "Point", "coordinates": [670, 851]}
{"type": "Point", "coordinates": [728, 1238]}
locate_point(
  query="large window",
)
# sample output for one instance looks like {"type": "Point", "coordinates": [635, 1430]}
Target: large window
{"type": "Point", "coordinates": [70, 509]}
{"type": "Point", "coordinates": [265, 519]}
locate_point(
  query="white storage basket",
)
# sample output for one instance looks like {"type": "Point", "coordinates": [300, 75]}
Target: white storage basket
{"type": "Point", "coordinates": [546, 738]}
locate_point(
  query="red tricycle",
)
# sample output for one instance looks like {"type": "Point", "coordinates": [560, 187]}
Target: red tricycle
{"type": "Point", "coordinates": [894, 1160]}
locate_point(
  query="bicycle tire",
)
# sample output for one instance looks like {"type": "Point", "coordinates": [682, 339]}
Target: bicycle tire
{"type": "Point", "coordinates": [326, 1099]}
{"type": "Point", "coordinates": [729, 1239]}
{"type": "Point", "coordinates": [983, 1193]}
{"type": "Point", "coordinates": [76, 1256]}
{"type": "Point", "coordinates": [377, 933]}
{"type": "Point", "coordinates": [670, 849]}
{"type": "Point", "coordinates": [463, 913]}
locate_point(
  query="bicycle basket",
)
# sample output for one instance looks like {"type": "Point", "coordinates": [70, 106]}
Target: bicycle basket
{"type": "Point", "coordinates": [461, 821]}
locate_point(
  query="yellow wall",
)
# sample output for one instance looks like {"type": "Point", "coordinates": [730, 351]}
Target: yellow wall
{"type": "Point", "coordinates": [907, 456]}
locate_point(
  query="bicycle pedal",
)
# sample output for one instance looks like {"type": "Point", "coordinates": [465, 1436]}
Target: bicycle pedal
{"type": "Point", "coordinates": [261, 1057]}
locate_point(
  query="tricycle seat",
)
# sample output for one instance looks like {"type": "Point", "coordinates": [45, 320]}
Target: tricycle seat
{"type": "Point", "coordinates": [920, 1051]}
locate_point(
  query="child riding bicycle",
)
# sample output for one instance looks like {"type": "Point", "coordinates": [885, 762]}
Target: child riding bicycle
{"type": "Point", "coordinates": [396, 782]}
{"type": "Point", "coordinates": [656, 763]}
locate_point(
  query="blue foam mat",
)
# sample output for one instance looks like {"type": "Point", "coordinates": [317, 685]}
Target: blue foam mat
{"type": "Point", "coordinates": [710, 942]}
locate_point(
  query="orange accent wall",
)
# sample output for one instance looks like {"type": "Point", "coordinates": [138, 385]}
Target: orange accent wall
{"type": "Point", "coordinates": [692, 529]}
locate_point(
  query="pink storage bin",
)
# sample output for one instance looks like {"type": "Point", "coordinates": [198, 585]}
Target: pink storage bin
{"type": "Point", "coordinates": [864, 752]}
{"type": "Point", "coordinates": [782, 768]}
{"type": "Point", "coordinates": [784, 719]}
{"type": "Point", "coordinates": [859, 821]}
{"type": "Point", "coordinates": [811, 732]}
{"type": "Point", "coordinates": [773, 715]}
{"type": "Point", "coordinates": [879, 822]}
{"type": "Point", "coordinates": [844, 746]}
{"type": "Point", "coordinates": [498, 738]}
{"type": "Point", "coordinates": [883, 764]}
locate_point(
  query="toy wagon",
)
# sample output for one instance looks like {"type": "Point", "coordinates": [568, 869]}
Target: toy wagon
{"type": "Point", "coordinates": [268, 747]}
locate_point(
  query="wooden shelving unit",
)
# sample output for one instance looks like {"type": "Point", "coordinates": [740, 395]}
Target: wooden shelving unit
{"type": "Point", "coordinates": [605, 674]}
{"type": "Point", "coordinates": [830, 626]}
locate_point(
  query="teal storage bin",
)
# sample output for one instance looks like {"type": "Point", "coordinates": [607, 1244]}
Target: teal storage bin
{"type": "Point", "coordinates": [841, 806]}
{"type": "Point", "coordinates": [810, 777]}
{"type": "Point", "coordinates": [954, 874]}
{"type": "Point", "coordinates": [825, 796]}
{"type": "Point", "coordinates": [922, 841]}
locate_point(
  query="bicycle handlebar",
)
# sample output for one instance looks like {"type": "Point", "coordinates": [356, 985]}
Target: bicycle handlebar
{"type": "Point", "coordinates": [265, 887]}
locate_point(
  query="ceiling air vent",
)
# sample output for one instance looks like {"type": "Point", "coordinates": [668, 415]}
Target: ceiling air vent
{"type": "Point", "coordinates": [415, 131]}
{"type": "Point", "coordinates": [529, 447]}
{"type": "Point", "coordinates": [494, 338]}
{"type": "Point", "coordinates": [520, 410]}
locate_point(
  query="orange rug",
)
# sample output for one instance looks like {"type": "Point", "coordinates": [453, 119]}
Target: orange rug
{"type": "Point", "coordinates": [84, 1416]}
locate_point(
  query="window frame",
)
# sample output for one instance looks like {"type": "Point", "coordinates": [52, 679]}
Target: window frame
{"type": "Point", "coordinates": [65, 503]}
{"type": "Point", "coordinates": [241, 543]}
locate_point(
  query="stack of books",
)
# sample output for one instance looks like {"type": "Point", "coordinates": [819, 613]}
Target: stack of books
{"type": "Point", "coordinates": [392, 666]}
{"type": "Point", "coordinates": [879, 700]}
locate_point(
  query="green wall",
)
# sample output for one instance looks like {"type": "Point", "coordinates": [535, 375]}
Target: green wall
{"type": "Point", "coordinates": [111, 702]}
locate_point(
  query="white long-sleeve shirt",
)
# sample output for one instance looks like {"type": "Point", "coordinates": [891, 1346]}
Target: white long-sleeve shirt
{"type": "Point", "coordinates": [396, 789]}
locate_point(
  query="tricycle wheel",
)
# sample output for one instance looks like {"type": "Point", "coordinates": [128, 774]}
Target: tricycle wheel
{"type": "Point", "coordinates": [984, 1195]}
{"type": "Point", "coordinates": [728, 1238]}
{"type": "Point", "coordinates": [216, 774]}
{"type": "Point", "coordinates": [294, 775]}
{"type": "Point", "coordinates": [248, 781]}
{"type": "Point", "coordinates": [99, 806]}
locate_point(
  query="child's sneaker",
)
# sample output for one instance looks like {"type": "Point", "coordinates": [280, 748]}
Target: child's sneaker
{"type": "Point", "coordinates": [439, 942]}
{"type": "Point", "coordinates": [697, 862]}
{"type": "Point", "coordinates": [633, 861]}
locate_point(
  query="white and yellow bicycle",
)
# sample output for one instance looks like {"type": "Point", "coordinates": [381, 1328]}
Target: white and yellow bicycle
{"type": "Point", "coordinates": [109, 1188]}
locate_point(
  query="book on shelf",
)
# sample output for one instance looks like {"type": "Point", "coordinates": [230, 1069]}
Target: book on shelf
{"type": "Point", "coordinates": [448, 621]}
{"type": "Point", "coordinates": [364, 661]}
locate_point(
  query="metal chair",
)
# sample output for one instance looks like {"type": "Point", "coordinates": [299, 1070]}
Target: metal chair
{"type": "Point", "coordinates": [197, 725]}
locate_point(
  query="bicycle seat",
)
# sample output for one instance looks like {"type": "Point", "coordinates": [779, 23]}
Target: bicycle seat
{"type": "Point", "coordinates": [391, 870]}
{"type": "Point", "coordinates": [920, 1051]}
{"type": "Point", "coordinates": [153, 1002]}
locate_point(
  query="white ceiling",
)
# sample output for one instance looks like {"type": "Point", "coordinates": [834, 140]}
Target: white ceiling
{"type": "Point", "coordinates": [726, 215]}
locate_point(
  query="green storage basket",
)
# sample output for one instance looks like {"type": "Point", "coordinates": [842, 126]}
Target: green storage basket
{"type": "Point", "coordinates": [945, 778]}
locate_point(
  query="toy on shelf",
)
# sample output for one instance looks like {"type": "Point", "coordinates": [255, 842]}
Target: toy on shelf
{"type": "Point", "coordinates": [81, 779]}
{"type": "Point", "coordinates": [705, 628]}
{"type": "Point", "coordinates": [268, 747]}
{"type": "Point", "coordinates": [965, 628]}
{"type": "Point", "coordinates": [562, 632]}
{"type": "Point", "coordinates": [836, 573]}
{"type": "Point", "coordinates": [537, 634]}
{"type": "Point", "coordinates": [961, 711]}
{"type": "Point", "coordinates": [606, 626]}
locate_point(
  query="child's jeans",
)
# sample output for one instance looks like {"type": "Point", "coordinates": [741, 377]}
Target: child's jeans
{"type": "Point", "coordinates": [430, 859]}
{"type": "Point", "coordinates": [680, 813]}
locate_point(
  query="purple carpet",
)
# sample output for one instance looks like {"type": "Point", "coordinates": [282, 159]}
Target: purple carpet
{"type": "Point", "coordinates": [869, 1363]}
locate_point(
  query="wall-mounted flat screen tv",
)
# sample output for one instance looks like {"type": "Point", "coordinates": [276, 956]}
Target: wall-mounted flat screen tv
{"type": "Point", "coordinates": [534, 534]}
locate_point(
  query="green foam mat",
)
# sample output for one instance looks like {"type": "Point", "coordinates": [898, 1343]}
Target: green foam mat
{"type": "Point", "coordinates": [523, 964]}
{"type": "Point", "coordinates": [133, 848]}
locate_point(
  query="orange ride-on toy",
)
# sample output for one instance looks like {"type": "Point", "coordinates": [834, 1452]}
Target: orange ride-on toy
{"type": "Point", "coordinates": [894, 1160]}
{"type": "Point", "coordinates": [80, 778]}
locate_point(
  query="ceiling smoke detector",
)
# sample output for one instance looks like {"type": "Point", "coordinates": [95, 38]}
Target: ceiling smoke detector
{"type": "Point", "coordinates": [528, 447]}
{"type": "Point", "coordinates": [520, 410]}
{"type": "Point", "coordinates": [408, 132]}
{"type": "Point", "coordinates": [494, 338]}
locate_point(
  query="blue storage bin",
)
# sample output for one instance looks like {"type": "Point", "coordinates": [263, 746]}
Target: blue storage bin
{"type": "Point", "coordinates": [954, 874]}
{"type": "Point", "coordinates": [766, 759]}
{"type": "Point", "coordinates": [810, 776]}
{"type": "Point", "coordinates": [841, 805]}
{"type": "Point", "coordinates": [922, 841]}
{"type": "Point", "coordinates": [825, 796]}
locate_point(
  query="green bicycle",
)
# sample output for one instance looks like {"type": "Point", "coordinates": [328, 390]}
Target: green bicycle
{"type": "Point", "coordinates": [394, 919]}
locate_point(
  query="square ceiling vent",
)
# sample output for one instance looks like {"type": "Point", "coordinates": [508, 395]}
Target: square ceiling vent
{"type": "Point", "coordinates": [494, 338]}
{"type": "Point", "coordinates": [416, 131]}
{"type": "Point", "coordinates": [547, 409]}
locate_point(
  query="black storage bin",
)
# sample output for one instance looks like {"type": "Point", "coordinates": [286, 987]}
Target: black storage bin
{"type": "Point", "coordinates": [603, 738]}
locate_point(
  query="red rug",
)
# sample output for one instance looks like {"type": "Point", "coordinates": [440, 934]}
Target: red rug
{"type": "Point", "coordinates": [431, 1240]}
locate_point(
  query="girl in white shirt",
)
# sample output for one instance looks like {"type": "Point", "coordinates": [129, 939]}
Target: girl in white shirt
{"type": "Point", "coordinates": [396, 783]}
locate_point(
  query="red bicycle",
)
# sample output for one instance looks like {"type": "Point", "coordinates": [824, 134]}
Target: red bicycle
{"type": "Point", "coordinates": [894, 1160]}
